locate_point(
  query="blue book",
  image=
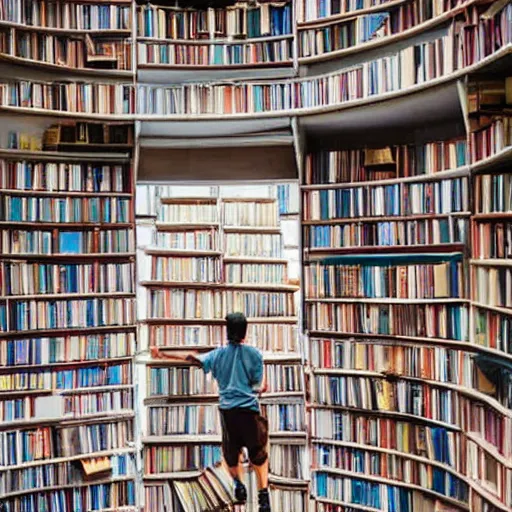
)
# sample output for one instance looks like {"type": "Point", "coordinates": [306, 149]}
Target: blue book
{"type": "Point", "coordinates": [70, 242]}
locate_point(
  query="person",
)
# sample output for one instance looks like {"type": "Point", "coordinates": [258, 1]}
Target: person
{"type": "Point", "coordinates": [238, 370]}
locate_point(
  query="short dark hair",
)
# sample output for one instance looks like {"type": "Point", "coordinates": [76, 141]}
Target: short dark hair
{"type": "Point", "coordinates": [236, 327]}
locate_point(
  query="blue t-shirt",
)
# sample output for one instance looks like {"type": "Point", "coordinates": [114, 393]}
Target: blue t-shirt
{"type": "Point", "coordinates": [236, 384]}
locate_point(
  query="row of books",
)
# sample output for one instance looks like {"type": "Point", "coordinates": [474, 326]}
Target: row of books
{"type": "Point", "coordinates": [59, 474]}
{"type": "Point", "coordinates": [238, 22]}
{"type": "Point", "coordinates": [287, 461]}
{"type": "Point", "coordinates": [46, 443]}
{"type": "Point", "coordinates": [254, 273]}
{"type": "Point", "coordinates": [75, 97]}
{"type": "Point", "coordinates": [190, 269]}
{"type": "Point", "coordinates": [66, 177]}
{"type": "Point", "coordinates": [64, 314]}
{"type": "Point", "coordinates": [491, 139]}
{"type": "Point", "coordinates": [391, 467]}
{"type": "Point", "coordinates": [384, 279]}
{"type": "Point", "coordinates": [212, 304]}
{"type": "Point", "coordinates": [386, 163]}
{"type": "Point", "coordinates": [433, 443]}
{"type": "Point", "coordinates": [195, 240]}
{"type": "Point", "coordinates": [268, 337]}
{"type": "Point", "coordinates": [185, 381]}
{"type": "Point", "coordinates": [67, 15]}
{"type": "Point", "coordinates": [171, 459]}
{"type": "Point", "coordinates": [111, 402]}
{"type": "Point", "coordinates": [413, 65]}
{"type": "Point", "coordinates": [420, 362]}
{"type": "Point", "coordinates": [27, 278]}
{"type": "Point", "coordinates": [380, 496]}
{"type": "Point", "coordinates": [194, 212]}
{"type": "Point", "coordinates": [57, 241]}
{"type": "Point", "coordinates": [493, 330]}
{"type": "Point", "coordinates": [263, 245]}
{"type": "Point", "coordinates": [288, 199]}
{"type": "Point", "coordinates": [308, 10]}
{"type": "Point", "coordinates": [386, 233]}
{"type": "Point", "coordinates": [472, 417]}
{"type": "Point", "coordinates": [492, 286]}
{"type": "Point", "coordinates": [93, 376]}
{"type": "Point", "coordinates": [109, 210]}
{"type": "Point", "coordinates": [232, 54]}
{"type": "Point", "coordinates": [54, 350]}
{"type": "Point", "coordinates": [411, 320]}
{"type": "Point", "coordinates": [342, 34]}
{"type": "Point", "coordinates": [400, 199]}
{"type": "Point", "coordinates": [251, 213]}
{"type": "Point", "coordinates": [493, 193]}
{"type": "Point", "coordinates": [64, 51]}
{"type": "Point", "coordinates": [491, 240]}
{"type": "Point", "coordinates": [107, 496]}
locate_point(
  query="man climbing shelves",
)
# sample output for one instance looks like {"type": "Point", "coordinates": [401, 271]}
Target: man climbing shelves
{"type": "Point", "coordinates": [238, 370]}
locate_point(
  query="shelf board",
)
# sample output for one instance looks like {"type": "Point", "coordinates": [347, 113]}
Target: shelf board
{"type": "Point", "coordinates": [68, 296]}
{"type": "Point", "coordinates": [437, 176]}
{"type": "Point", "coordinates": [67, 256]}
{"type": "Point", "coordinates": [271, 230]}
{"type": "Point", "coordinates": [491, 262]}
{"type": "Point", "coordinates": [55, 68]}
{"type": "Point", "coordinates": [64, 364]}
{"type": "Point", "coordinates": [58, 193]}
{"type": "Point", "coordinates": [218, 41]}
{"type": "Point", "coordinates": [56, 460]}
{"type": "Point", "coordinates": [174, 226]}
{"type": "Point", "coordinates": [94, 389]}
{"type": "Point", "coordinates": [322, 252]}
{"type": "Point", "coordinates": [62, 156]}
{"type": "Point", "coordinates": [189, 200]}
{"type": "Point", "coordinates": [178, 475]}
{"type": "Point", "coordinates": [63, 331]}
{"type": "Point", "coordinates": [36, 111]}
{"type": "Point", "coordinates": [65, 225]}
{"type": "Point", "coordinates": [365, 300]}
{"type": "Point", "coordinates": [489, 163]}
{"type": "Point", "coordinates": [388, 218]}
{"type": "Point", "coordinates": [184, 253]}
{"type": "Point", "coordinates": [66, 31]}
{"type": "Point", "coordinates": [254, 259]}
{"type": "Point", "coordinates": [493, 216]}
{"type": "Point", "coordinates": [497, 309]}
{"type": "Point", "coordinates": [221, 286]}
{"type": "Point", "coordinates": [183, 439]}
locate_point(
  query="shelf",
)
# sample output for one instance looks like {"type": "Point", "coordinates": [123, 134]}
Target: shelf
{"type": "Point", "coordinates": [254, 259]}
{"type": "Point", "coordinates": [67, 256]}
{"type": "Point", "coordinates": [397, 483]}
{"type": "Point", "coordinates": [207, 321]}
{"type": "Point", "coordinates": [55, 68]}
{"type": "Point", "coordinates": [66, 420]}
{"type": "Point", "coordinates": [463, 171]}
{"type": "Point", "coordinates": [185, 438]}
{"type": "Point", "coordinates": [64, 113]}
{"type": "Point", "coordinates": [69, 296]}
{"type": "Point", "coordinates": [64, 364]}
{"type": "Point", "coordinates": [497, 309]}
{"type": "Point", "coordinates": [322, 252]}
{"type": "Point", "coordinates": [76, 485]}
{"type": "Point", "coordinates": [65, 225]}
{"type": "Point", "coordinates": [221, 286]}
{"type": "Point", "coordinates": [388, 301]}
{"type": "Point", "coordinates": [253, 229]}
{"type": "Point", "coordinates": [178, 475]}
{"type": "Point", "coordinates": [491, 162]}
{"type": "Point", "coordinates": [389, 218]}
{"type": "Point", "coordinates": [58, 193]}
{"type": "Point", "coordinates": [491, 262]}
{"type": "Point", "coordinates": [95, 389]}
{"type": "Point", "coordinates": [377, 42]}
{"type": "Point", "coordinates": [184, 253]}
{"type": "Point", "coordinates": [62, 156]}
{"type": "Point", "coordinates": [493, 216]}
{"type": "Point", "coordinates": [174, 226]}
{"type": "Point", "coordinates": [219, 41]}
{"type": "Point", "coordinates": [64, 331]}
{"type": "Point", "coordinates": [56, 460]}
{"type": "Point", "coordinates": [67, 31]}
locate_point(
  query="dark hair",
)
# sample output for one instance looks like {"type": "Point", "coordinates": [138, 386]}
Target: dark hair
{"type": "Point", "coordinates": [236, 327]}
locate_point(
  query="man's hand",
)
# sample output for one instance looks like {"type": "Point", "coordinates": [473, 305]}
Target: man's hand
{"type": "Point", "coordinates": [155, 353]}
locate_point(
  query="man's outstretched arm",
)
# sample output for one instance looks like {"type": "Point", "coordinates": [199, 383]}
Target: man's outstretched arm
{"type": "Point", "coordinates": [188, 356]}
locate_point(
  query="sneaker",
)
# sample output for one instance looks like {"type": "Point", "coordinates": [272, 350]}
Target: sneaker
{"type": "Point", "coordinates": [264, 500]}
{"type": "Point", "coordinates": [240, 492]}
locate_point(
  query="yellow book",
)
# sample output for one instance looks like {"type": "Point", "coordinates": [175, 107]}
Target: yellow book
{"type": "Point", "coordinates": [382, 156]}
{"type": "Point", "coordinates": [441, 280]}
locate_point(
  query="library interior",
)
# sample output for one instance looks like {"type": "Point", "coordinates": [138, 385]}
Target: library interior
{"type": "Point", "coordinates": [335, 170]}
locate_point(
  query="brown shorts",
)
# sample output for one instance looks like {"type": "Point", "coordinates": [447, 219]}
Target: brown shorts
{"type": "Point", "coordinates": [242, 428]}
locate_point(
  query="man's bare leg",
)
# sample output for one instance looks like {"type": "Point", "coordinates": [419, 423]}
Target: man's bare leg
{"type": "Point", "coordinates": [261, 475]}
{"type": "Point", "coordinates": [237, 473]}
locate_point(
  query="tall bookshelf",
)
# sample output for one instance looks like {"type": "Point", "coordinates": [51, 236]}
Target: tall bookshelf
{"type": "Point", "coordinates": [67, 279]}
{"type": "Point", "coordinates": [406, 309]}
{"type": "Point", "coordinates": [231, 248]}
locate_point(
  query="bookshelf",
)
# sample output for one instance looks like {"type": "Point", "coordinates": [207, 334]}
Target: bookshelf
{"type": "Point", "coordinates": [67, 318]}
{"type": "Point", "coordinates": [427, 431]}
{"type": "Point", "coordinates": [213, 259]}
